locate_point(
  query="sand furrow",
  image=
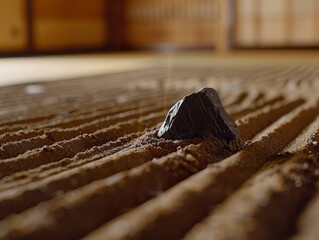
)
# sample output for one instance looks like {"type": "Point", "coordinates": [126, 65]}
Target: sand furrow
{"type": "Point", "coordinates": [81, 158]}
{"type": "Point", "coordinates": [254, 122]}
{"type": "Point", "coordinates": [20, 198]}
{"type": "Point", "coordinates": [205, 189]}
{"type": "Point", "coordinates": [69, 148]}
{"type": "Point", "coordinates": [13, 149]}
{"type": "Point", "coordinates": [307, 225]}
{"type": "Point", "coordinates": [253, 106]}
{"type": "Point", "coordinates": [266, 207]}
{"type": "Point", "coordinates": [77, 120]}
{"type": "Point", "coordinates": [145, 182]}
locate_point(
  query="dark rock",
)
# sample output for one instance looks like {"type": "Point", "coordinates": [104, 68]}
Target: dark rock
{"type": "Point", "coordinates": [196, 115]}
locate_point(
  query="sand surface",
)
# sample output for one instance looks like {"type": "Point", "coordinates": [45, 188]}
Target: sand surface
{"type": "Point", "coordinates": [80, 157]}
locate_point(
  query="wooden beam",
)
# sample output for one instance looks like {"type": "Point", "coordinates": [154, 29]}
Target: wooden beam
{"type": "Point", "coordinates": [223, 27]}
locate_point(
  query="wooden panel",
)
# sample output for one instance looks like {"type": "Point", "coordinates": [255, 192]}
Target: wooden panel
{"type": "Point", "coordinates": [303, 6]}
{"type": "Point", "coordinates": [13, 27]}
{"type": "Point", "coordinates": [303, 31]}
{"type": "Point", "coordinates": [304, 22]}
{"type": "Point", "coordinates": [67, 25]}
{"type": "Point", "coordinates": [273, 30]}
{"type": "Point", "coordinates": [246, 8]}
{"type": "Point", "coordinates": [245, 25]}
{"type": "Point", "coordinates": [272, 7]}
{"type": "Point", "coordinates": [246, 35]}
{"type": "Point", "coordinates": [181, 23]}
{"type": "Point", "coordinates": [70, 9]}
{"type": "Point", "coordinates": [277, 23]}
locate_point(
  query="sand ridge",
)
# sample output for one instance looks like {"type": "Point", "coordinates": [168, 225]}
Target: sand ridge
{"type": "Point", "coordinates": [82, 159]}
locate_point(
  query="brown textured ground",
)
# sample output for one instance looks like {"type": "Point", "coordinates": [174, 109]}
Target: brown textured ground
{"type": "Point", "coordinates": [80, 159]}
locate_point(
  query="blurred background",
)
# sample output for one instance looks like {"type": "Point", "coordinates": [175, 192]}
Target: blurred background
{"type": "Point", "coordinates": [31, 27]}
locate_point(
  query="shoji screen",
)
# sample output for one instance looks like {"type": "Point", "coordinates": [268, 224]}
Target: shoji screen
{"type": "Point", "coordinates": [276, 23]}
{"type": "Point", "coordinates": [181, 23]}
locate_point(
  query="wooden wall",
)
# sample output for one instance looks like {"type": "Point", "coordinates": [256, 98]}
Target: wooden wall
{"type": "Point", "coordinates": [13, 26]}
{"type": "Point", "coordinates": [42, 26]}
{"type": "Point", "coordinates": [38, 26]}
{"type": "Point", "coordinates": [68, 24]}
{"type": "Point", "coordinates": [276, 23]}
{"type": "Point", "coordinates": [181, 23]}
